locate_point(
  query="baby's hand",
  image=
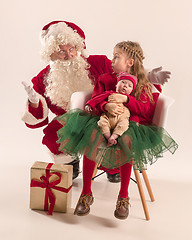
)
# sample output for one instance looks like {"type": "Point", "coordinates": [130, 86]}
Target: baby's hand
{"type": "Point", "coordinates": [88, 109]}
{"type": "Point", "coordinates": [116, 97]}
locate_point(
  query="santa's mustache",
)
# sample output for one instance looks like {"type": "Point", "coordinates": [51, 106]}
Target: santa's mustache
{"type": "Point", "coordinates": [77, 64]}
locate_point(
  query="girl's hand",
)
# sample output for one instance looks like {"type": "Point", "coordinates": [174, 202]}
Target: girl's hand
{"type": "Point", "coordinates": [88, 109]}
{"type": "Point", "coordinates": [117, 97]}
{"type": "Point", "coordinates": [157, 76]}
{"type": "Point", "coordinates": [114, 108]}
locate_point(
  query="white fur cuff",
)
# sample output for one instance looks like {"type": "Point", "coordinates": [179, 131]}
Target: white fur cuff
{"type": "Point", "coordinates": [154, 89]}
{"type": "Point", "coordinates": [61, 158]}
{"type": "Point", "coordinates": [29, 118]}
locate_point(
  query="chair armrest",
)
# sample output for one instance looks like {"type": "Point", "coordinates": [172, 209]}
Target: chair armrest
{"type": "Point", "coordinates": [79, 99]}
{"type": "Point", "coordinates": [161, 110]}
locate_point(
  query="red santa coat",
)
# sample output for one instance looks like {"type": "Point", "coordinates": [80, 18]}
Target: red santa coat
{"type": "Point", "coordinates": [38, 117]}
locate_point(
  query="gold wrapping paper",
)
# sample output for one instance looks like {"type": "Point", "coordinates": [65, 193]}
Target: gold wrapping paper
{"type": "Point", "coordinates": [37, 194]}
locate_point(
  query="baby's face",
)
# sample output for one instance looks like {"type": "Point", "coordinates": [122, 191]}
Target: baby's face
{"type": "Point", "coordinates": [124, 86]}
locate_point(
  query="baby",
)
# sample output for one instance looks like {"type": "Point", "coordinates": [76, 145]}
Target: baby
{"type": "Point", "coordinates": [126, 84]}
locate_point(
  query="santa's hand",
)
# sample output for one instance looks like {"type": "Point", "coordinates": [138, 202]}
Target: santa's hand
{"type": "Point", "coordinates": [33, 98]}
{"type": "Point", "coordinates": [157, 76]}
{"type": "Point", "coordinates": [117, 97]}
{"type": "Point", "coordinates": [88, 109]}
{"type": "Point", "coordinates": [114, 108]}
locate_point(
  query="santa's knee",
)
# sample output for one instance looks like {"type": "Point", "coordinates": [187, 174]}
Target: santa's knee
{"type": "Point", "coordinates": [67, 160]}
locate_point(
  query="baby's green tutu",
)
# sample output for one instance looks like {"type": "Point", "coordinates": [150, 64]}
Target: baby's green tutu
{"type": "Point", "coordinates": [139, 145]}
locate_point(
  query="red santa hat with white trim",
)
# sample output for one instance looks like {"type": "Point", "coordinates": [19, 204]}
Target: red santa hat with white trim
{"type": "Point", "coordinates": [58, 33]}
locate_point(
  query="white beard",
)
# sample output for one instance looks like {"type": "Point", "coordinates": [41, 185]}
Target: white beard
{"type": "Point", "coordinates": [65, 78]}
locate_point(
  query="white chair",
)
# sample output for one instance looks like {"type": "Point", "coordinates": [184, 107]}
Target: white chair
{"type": "Point", "coordinates": [161, 110]}
{"type": "Point", "coordinates": [79, 99]}
{"type": "Point", "coordinates": [159, 119]}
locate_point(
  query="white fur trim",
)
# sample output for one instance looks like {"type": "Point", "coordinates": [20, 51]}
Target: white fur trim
{"type": "Point", "coordinates": [62, 34]}
{"type": "Point", "coordinates": [29, 118]}
{"type": "Point", "coordinates": [53, 30]}
{"type": "Point", "coordinates": [61, 158]}
{"type": "Point", "coordinates": [154, 89]}
{"type": "Point", "coordinates": [85, 53]}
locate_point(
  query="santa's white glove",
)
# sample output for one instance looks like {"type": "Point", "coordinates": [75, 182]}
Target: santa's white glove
{"type": "Point", "coordinates": [157, 76]}
{"type": "Point", "coordinates": [33, 98]}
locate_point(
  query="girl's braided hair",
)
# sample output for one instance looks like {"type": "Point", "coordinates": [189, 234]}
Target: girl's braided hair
{"type": "Point", "coordinates": [134, 51]}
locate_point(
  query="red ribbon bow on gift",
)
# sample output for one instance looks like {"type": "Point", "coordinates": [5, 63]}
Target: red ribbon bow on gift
{"type": "Point", "coordinates": [44, 183]}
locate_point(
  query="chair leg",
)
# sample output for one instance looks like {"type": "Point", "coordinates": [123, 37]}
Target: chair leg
{"type": "Point", "coordinates": [142, 195]}
{"type": "Point", "coordinates": [94, 173]}
{"type": "Point", "coordinates": [148, 185]}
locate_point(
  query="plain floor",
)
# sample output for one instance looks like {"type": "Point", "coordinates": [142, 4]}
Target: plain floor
{"type": "Point", "coordinates": [170, 214]}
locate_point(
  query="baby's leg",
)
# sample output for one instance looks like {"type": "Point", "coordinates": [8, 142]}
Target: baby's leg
{"type": "Point", "coordinates": [122, 125]}
{"type": "Point", "coordinates": [104, 124]}
{"type": "Point", "coordinates": [112, 140]}
{"type": "Point", "coordinates": [107, 135]}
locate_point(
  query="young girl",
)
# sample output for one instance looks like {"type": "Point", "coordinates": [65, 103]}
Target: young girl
{"type": "Point", "coordinates": [142, 143]}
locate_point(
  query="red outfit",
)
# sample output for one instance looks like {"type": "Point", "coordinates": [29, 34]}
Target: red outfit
{"type": "Point", "coordinates": [99, 64]}
{"type": "Point", "coordinates": [98, 100]}
{"type": "Point", "coordinates": [143, 108]}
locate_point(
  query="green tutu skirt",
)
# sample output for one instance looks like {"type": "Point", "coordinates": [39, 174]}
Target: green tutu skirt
{"type": "Point", "coordinates": [139, 145]}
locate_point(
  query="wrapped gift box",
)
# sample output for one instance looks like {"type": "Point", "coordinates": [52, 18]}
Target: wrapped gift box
{"type": "Point", "coordinates": [50, 187]}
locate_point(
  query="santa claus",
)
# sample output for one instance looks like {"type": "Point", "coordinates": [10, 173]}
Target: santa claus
{"type": "Point", "coordinates": [69, 70]}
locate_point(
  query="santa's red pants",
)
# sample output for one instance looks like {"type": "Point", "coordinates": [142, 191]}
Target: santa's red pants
{"type": "Point", "coordinates": [88, 169]}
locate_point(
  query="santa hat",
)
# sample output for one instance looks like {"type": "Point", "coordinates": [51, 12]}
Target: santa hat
{"type": "Point", "coordinates": [61, 33]}
{"type": "Point", "coordinates": [127, 76]}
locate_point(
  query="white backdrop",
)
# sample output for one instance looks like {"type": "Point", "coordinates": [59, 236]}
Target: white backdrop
{"type": "Point", "coordinates": [163, 28]}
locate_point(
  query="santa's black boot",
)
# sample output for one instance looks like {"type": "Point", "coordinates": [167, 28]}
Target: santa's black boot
{"type": "Point", "coordinates": [114, 178]}
{"type": "Point", "coordinates": [75, 164]}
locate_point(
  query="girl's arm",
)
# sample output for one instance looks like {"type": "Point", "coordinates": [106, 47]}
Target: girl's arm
{"type": "Point", "coordinates": [99, 87]}
{"type": "Point", "coordinates": [138, 107]}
